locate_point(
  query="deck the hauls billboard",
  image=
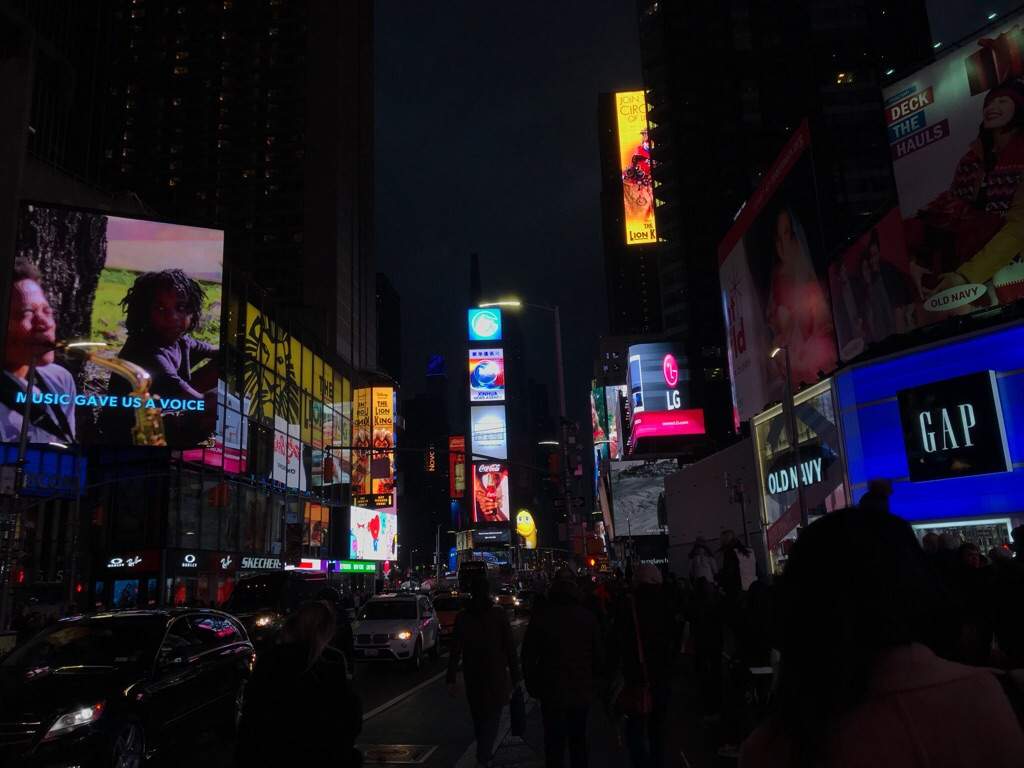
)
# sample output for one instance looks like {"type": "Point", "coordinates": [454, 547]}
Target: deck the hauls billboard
{"type": "Point", "coordinates": [658, 384]}
{"type": "Point", "coordinates": [774, 284]}
{"type": "Point", "coordinates": [486, 376]}
{"type": "Point", "coordinates": [956, 135]}
{"type": "Point", "coordinates": [373, 534]}
{"type": "Point", "coordinates": [373, 441]}
{"type": "Point", "coordinates": [635, 162]}
{"type": "Point", "coordinates": [491, 500]}
{"type": "Point", "coordinates": [150, 291]}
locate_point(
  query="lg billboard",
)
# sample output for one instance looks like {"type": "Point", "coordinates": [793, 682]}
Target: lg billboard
{"type": "Point", "coordinates": [659, 396]}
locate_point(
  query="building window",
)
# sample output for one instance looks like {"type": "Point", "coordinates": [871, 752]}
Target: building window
{"type": "Point", "coordinates": [844, 78]}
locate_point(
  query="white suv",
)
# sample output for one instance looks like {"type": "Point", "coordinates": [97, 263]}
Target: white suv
{"type": "Point", "coordinates": [398, 628]}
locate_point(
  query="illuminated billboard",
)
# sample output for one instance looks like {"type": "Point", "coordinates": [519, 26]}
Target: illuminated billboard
{"type": "Point", "coordinates": [604, 420]}
{"type": "Point", "coordinates": [485, 324]}
{"type": "Point", "coordinates": [635, 162]}
{"type": "Point", "coordinates": [956, 136]}
{"type": "Point", "coordinates": [635, 488]}
{"type": "Point", "coordinates": [373, 534]}
{"type": "Point", "coordinates": [151, 292]}
{"type": "Point", "coordinates": [773, 273]}
{"type": "Point", "coordinates": [486, 376]}
{"type": "Point", "coordinates": [487, 424]}
{"type": "Point", "coordinates": [300, 399]}
{"type": "Point", "coordinates": [658, 392]}
{"type": "Point", "coordinates": [456, 466]}
{"type": "Point", "coordinates": [491, 500]}
{"type": "Point", "coordinates": [373, 440]}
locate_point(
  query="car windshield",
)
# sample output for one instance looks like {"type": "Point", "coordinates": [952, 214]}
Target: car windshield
{"type": "Point", "coordinates": [450, 603]}
{"type": "Point", "coordinates": [110, 642]}
{"type": "Point", "coordinates": [379, 609]}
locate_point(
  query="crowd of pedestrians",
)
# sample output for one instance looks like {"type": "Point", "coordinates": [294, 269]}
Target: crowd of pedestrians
{"type": "Point", "coordinates": [870, 649]}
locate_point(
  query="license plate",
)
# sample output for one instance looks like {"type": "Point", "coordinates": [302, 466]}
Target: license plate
{"type": "Point", "coordinates": [370, 652]}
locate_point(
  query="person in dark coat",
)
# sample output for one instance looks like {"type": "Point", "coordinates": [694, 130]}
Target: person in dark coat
{"type": "Point", "coordinates": [482, 641]}
{"type": "Point", "coordinates": [654, 625]}
{"type": "Point", "coordinates": [561, 651]}
{"type": "Point", "coordinates": [299, 708]}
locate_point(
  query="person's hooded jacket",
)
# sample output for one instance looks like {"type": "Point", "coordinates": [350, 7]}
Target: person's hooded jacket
{"type": "Point", "coordinates": [562, 649]}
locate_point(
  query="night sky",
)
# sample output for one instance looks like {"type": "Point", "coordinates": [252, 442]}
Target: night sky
{"type": "Point", "coordinates": [486, 142]}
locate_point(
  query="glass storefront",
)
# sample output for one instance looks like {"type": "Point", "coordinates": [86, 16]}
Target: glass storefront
{"type": "Point", "coordinates": [944, 424]}
{"type": "Point", "coordinates": [817, 467]}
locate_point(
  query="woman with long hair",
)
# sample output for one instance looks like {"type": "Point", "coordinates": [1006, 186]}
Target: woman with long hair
{"type": "Point", "coordinates": [857, 685]}
{"type": "Point", "coordinates": [298, 705]}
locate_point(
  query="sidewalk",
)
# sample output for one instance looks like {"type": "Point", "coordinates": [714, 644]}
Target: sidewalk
{"type": "Point", "coordinates": [689, 745]}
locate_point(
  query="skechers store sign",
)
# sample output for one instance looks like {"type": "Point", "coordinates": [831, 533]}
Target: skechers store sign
{"type": "Point", "coordinates": [944, 424]}
{"type": "Point", "coordinates": [954, 428]}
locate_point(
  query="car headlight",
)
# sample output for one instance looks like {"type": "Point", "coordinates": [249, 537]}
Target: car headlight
{"type": "Point", "coordinates": [74, 719]}
{"type": "Point", "coordinates": [515, 601]}
{"type": "Point", "coordinates": [405, 634]}
{"type": "Point", "coordinates": [264, 621]}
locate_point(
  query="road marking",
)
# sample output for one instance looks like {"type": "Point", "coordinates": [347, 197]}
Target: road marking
{"type": "Point", "coordinates": [403, 696]}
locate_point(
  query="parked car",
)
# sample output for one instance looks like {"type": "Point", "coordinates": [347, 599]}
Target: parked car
{"type": "Point", "coordinates": [263, 601]}
{"type": "Point", "coordinates": [447, 607]}
{"type": "Point", "coordinates": [113, 689]}
{"type": "Point", "coordinates": [397, 627]}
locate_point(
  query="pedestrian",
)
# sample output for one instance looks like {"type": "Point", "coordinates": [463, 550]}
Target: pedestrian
{"type": "Point", "coordinates": [482, 641]}
{"type": "Point", "coordinates": [702, 563]}
{"type": "Point", "coordinates": [562, 650]}
{"type": "Point", "coordinates": [874, 693]}
{"type": "Point", "coordinates": [645, 649]}
{"type": "Point", "coordinates": [299, 708]}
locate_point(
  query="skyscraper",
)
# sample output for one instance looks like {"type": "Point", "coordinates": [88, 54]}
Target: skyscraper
{"type": "Point", "coordinates": [256, 119]}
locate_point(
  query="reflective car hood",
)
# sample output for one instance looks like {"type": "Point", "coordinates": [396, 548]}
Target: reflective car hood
{"type": "Point", "coordinates": [42, 694]}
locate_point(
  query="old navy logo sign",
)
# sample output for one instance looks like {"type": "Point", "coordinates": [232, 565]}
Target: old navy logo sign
{"type": "Point", "coordinates": [485, 324]}
{"type": "Point", "coordinates": [957, 296]}
{"type": "Point", "coordinates": [670, 370]}
{"type": "Point", "coordinates": [789, 478]}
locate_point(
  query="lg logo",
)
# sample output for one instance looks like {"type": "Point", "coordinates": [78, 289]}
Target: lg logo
{"type": "Point", "coordinates": [670, 370]}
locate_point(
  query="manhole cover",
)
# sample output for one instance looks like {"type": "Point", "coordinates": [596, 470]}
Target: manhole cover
{"type": "Point", "coordinates": [396, 754]}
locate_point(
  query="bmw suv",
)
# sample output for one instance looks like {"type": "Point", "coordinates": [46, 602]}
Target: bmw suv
{"type": "Point", "coordinates": [399, 627]}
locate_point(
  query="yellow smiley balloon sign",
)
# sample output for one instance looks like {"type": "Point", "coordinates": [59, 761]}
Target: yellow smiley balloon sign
{"type": "Point", "coordinates": [526, 528]}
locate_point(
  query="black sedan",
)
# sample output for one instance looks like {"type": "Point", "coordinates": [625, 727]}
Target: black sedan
{"type": "Point", "coordinates": [111, 689]}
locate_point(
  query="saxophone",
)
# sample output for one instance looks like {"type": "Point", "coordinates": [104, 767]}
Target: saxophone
{"type": "Point", "coordinates": [149, 426]}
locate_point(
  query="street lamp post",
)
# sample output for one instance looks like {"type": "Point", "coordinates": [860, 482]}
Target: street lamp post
{"type": "Point", "coordinates": [789, 407]}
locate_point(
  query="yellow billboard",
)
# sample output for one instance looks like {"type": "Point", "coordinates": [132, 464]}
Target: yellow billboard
{"type": "Point", "coordinates": [373, 436]}
{"type": "Point", "coordinates": [635, 162]}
